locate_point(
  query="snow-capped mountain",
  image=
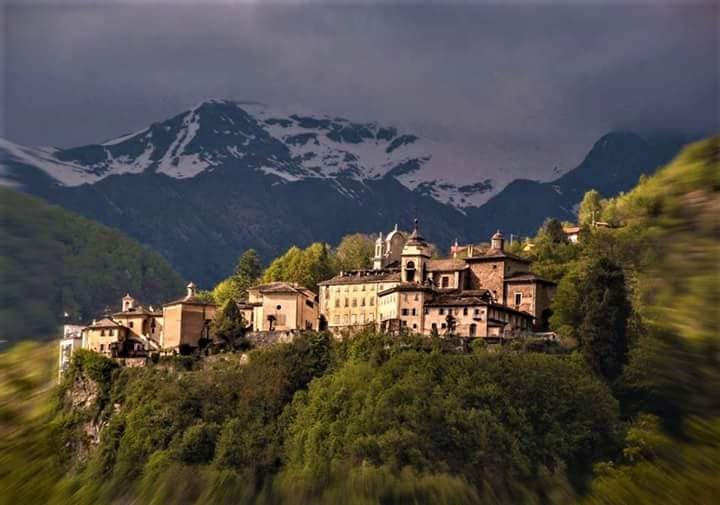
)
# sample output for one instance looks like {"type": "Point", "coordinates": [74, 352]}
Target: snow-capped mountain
{"type": "Point", "coordinates": [224, 176]}
{"type": "Point", "coordinates": [248, 136]}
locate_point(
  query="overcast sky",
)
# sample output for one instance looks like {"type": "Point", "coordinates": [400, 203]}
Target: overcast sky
{"type": "Point", "coordinates": [523, 87]}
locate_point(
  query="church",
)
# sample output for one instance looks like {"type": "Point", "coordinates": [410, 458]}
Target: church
{"type": "Point", "coordinates": [487, 293]}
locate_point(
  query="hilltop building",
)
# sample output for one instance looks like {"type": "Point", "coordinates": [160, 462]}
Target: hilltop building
{"type": "Point", "coordinates": [186, 321]}
{"type": "Point", "coordinates": [281, 307]}
{"type": "Point", "coordinates": [479, 292]}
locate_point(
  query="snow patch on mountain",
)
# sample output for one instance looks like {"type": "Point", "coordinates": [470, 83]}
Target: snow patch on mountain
{"type": "Point", "coordinates": [287, 145]}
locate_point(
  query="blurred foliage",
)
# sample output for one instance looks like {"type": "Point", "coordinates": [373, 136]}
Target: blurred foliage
{"type": "Point", "coordinates": [394, 420]}
{"type": "Point", "coordinates": [54, 262]}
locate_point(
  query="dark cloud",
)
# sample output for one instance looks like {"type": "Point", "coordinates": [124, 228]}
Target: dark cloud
{"type": "Point", "coordinates": [522, 87]}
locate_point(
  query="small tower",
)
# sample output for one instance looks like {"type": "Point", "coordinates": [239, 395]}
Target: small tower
{"type": "Point", "coordinates": [414, 257]}
{"type": "Point", "coordinates": [128, 303]}
{"type": "Point", "coordinates": [498, 241]}
{"type": "Point", "coordinates": [191, 288]}
{"type": "Point", "coordinates": [379, 253]}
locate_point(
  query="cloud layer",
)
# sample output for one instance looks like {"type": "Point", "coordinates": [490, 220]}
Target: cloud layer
{"type": "Point", "coordinates": [523, 88]}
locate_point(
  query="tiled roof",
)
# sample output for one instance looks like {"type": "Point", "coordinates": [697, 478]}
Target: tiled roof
{"type": "Point", "coordinates": [406, 286]}
{"type": "Point", "coordinates": [528, 277]}
{"type": "Point", "coordinates": [492, 254]}
{"type": "Point", "coordinates": [363, 277]}
{"type": "Point", "coordinates": [105, 322]}
{"type": "Point", "coordinates": [446, 265]}
{"type": "Point", "coordinates": [283, 287]}
{"type": "Point", "coordinates": [139, 310]}
{"type": "Point", "coordinates": [193, 300]}
{"type": "Point", "coordinates": [459, 298]}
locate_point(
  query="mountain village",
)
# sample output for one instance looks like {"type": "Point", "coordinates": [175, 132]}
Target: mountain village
{"type": "Point", "coordinates": [478, 292]}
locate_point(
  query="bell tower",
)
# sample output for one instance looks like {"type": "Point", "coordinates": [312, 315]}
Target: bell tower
{"type": "Point", "coordinates": [414, 257]}
{"type": "Point", "coordinates": [379, 253]}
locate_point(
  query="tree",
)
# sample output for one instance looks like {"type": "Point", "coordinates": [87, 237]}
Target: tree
{"type": "Point", "coordinates": [229, 289]}
{"type": "Point", "coordinates": [590, 208]}
{"type": "Point", "coordinates": [305, 266]}
{"type": "Point", "coordinates": [605, 308]}
{"type": "Point", "coordinates": [229, 326]}
{"type": "Point", "coordinates": [248, 270]}
{"type": "Point", "coordinates": [451, 322]}
{"type": "Point", "coordinates": [354, 252]}
{"type": "Point", "coordinates": [552, 232]}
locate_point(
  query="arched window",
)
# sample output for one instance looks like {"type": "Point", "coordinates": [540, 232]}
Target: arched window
{"type": "Point", "coordinates": [410, 271]}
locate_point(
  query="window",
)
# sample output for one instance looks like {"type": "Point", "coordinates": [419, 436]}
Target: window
{"type": "Point", "coordinates": [414, 326]}
{"type": "Point", "coordinates": [337, 302]}
{"type": "Point", "coordinates": [477, 312]}
{"type": "Point", "coordinates": [346, 302]}
{"type": "Point", "coordinates": [102, 333]}
{"type": "Point", "coordinates": [518, 298]}
{"type": "Point", "coordinates": [413, 312]}
{"type": "Point", "coordinates": [441, 311]}
{"type": "Point", "coordinates": [279, 307]}
{"type": "Point", "coordinates": [410, 271]}
{"type": "Point", "coordinates": [102, 347]}
{"type": "Point", "coordinates": [465, 311]}
{"type": "Point", "coordinates": [111, 332]}
{"type": "Point", "coordinates": [362, 288]}
{"type": "Point", "coordinates": [445, 281]}
{"type": "Point", "coordinates": [131, 324]}
{"type": "Point", "coordinates": [443, 326]}
{"type": "Point", "coordinates": [417, 297]}
{"type": "Point", "coordinates": [473, 330]}
{"type": "Point", "coordinates": [426, 311]}
{"type": "Point", "coordinates": [434, 327]}
{"type": "Point", "coordinates": [354, 302]}
{"type": "Point", "coordinates": [362, 302]}
{"type": "Point", "coordinates": [404, 312]}
{"type": "Point", "coordinates": [372, 301]}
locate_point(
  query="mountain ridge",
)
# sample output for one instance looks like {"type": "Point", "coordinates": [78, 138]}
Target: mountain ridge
{"type": "Point", "coordinates": [210, 191]}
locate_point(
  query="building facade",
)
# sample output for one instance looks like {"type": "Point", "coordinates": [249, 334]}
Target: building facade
{"type": "Point", "coordinates": [483, 292]}
{"type": "Point", "coordinates": [281, 307]}
{"type": "Point", "coordinates": [349, 301]}
{"type": "Point", "coordinates": [186, 321]}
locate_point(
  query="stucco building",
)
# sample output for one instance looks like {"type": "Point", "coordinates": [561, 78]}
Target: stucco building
{"type": "Point", "coordinates": [185, 321]}
{"type": "Point", "coordinates": [281, 307]}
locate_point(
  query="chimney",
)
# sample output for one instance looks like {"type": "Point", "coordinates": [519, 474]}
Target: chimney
{"type": "Point", "coordinates": [190, 290]}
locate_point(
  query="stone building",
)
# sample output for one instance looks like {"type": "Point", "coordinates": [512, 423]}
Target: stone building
{"type": "Point", "coordinates": [482, 292]}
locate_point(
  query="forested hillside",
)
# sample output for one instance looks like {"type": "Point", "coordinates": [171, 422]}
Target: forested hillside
{"type": "Point", "coordinates": [625, 410]}
{"type": "Point", "coordinates": [54, 262]}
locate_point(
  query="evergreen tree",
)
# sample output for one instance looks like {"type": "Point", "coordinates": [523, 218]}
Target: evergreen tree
{"type": "Point", "coordinates": [229, 327]}
{"type": "Point", "coordinates": [248, 268]}
{"type": "Point", "coordinates": [602, 333]}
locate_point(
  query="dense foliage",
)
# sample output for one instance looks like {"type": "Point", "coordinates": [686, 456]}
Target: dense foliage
{"type": "Point", "coordinates": [630, 415]}
{"type": "Point", "coordinates": [54, 262]}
